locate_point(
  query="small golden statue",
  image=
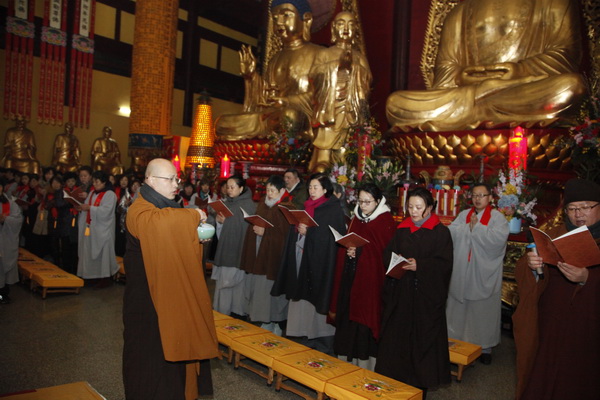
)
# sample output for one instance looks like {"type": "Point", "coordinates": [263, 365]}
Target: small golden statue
{"type": "Point", "coordinates": [278, 101]}
{"type": "Point", "coordinates": [20, 149]}
{"type": "Point", "coordinates": [443, 177]}
{"type": "Point", "coordinates": [341, 79]}
{"type": "Point", "coordinates": [499, 62]}
{"type": "Point", "coordinates": [106, 155]}
{"type": "Point", "coordinates": [66, 156]}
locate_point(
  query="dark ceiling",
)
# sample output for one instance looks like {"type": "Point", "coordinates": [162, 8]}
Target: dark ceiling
{"type": "Point", "coordinates": [244, 16]}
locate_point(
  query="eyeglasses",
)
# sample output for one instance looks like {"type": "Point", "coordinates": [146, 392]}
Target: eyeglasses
{"type": "Point", "coordinates": [365, 202]}
{"type": "Point", "coordinates": [480, 196]}
{"type": "Point", "coordinates": [583, 209]}
{"type": "Point", "coordinates": [172, 179]}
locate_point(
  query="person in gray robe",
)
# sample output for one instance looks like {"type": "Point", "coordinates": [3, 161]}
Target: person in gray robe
{"type": "Point", "coordinates": [11, 220]}
{"type": "Point", "coordinates": [473, 309]}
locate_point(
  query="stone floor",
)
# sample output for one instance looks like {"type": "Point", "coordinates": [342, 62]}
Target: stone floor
{"type": "Point", "coordinates": [68, 338]}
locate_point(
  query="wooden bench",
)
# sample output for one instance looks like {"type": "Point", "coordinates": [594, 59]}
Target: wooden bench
{"type": "Point", "coordinates": [77, 390]}
{"type": "Point", "coordinates": [263, 349]}
{"type": "Point", "coordinates": [462, 354]}
{"type": "Point", "coordinates": [310, 368]}
{"type": "Point", "coordinates": [56, 282]}
{"type": "Point", "coordinates": [28, 268]}
{"type": "Point", "coordinates": [365, 384]}
{"type": "Point", "coordinates": [228, 329]}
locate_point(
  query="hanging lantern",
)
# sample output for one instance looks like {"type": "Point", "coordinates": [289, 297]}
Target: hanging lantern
{"type": "Point", "coordinates": [201, 151]}
{"type": "Point", "coordinates": [517, 150]}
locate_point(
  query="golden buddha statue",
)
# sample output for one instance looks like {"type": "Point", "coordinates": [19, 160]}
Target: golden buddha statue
{"type": "Point", "coordinates": [20, 149]}
{"type": "Point", "coordinates": [341, 80]}
{"type": "Point", "coordinates": [279, 100]}
{"type": "Point", "coordinates": [66, 155]}
{"type": "Point", "coordinates": [106, 155]}
{"type": "Point", "coordinates": [499, 62]}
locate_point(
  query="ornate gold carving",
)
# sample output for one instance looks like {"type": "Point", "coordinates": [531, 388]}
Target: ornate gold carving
{"type": "Point", "coordinates": [437, 14]}
{"type": "Point", "coordinates": [591, 16]}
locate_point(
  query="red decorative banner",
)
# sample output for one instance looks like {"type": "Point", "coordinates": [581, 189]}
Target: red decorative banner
{"type": "Point", "coordinates": [18, 77]}
{"type": "Point", "coordinates": [82, 63]}
{"type": "Point", "coordinates": [52, 62]}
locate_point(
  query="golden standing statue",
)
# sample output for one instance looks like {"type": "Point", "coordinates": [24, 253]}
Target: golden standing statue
{"type": "Point", "coordinates": [105, 154]}
{"type": "Point", "coordinates": [66, 156]}
{"type": "Point", "coordinates": [499, 62]}
{"type": "Point", "coordinates": [20, 149]}
{"type": "Point", "coordinates": [341, 80]}
{"type": "Point", "coordinates": [281, 97]}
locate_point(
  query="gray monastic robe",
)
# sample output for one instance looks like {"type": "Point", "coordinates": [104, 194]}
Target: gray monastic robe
{"type": "Point", "coordinates": [474, 305]}
{"type": "Point", "coordinates": [9, 244]}
{"type": "Point", "coordinates": [97, 257]}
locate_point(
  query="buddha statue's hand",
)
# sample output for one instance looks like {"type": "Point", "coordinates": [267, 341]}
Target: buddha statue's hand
{"type": "Point", "coordinates": [247, 62]}
{"type": "Point", "coordinates": [278, 102]}
{"type": "Point", "coordinates": [476, 74]}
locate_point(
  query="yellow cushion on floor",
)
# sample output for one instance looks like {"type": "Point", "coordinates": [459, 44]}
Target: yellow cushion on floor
{"type": "Point", "coordinates": [227, 329]}
{"type": "Point", "coordinates": [312, 368]}
{"type": "Point", "coordinates": [71, 391]}
{"type": "Point", "coordinates": [217, 316]}
{"type": "Point", "coordinates": [264, 348]}
{"type": "Point", "coordinates": [463, 353]}
{"type": "Point", "coordinates": [365, 384]}
{"type": "Point", "coordinates": [59, 279]}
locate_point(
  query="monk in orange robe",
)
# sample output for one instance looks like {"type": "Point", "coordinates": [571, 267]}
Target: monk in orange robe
{"type": "Point", "coordinates": [167, 312]}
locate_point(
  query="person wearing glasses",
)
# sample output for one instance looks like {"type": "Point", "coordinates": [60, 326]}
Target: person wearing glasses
{"type": "Point", "coordinates": [473, 310]}
{"type": "Point", "coordinates": [356, 296]}
{"type": "Point", "coordinates": [557, 320]}
{"type": "Point", "coordinates": [167, 313]}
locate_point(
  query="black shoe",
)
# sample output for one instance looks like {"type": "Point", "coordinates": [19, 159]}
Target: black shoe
{"type": "Point", "coordinates": [486, 358]}
{"type": "Point", "coordinates": [4, 299]}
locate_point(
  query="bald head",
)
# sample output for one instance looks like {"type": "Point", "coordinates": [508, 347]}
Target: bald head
{"type": "Point", "coordinates": [161, 176]}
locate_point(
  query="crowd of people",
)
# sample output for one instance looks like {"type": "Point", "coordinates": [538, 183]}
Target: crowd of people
{"type": "Point", "coordinates": [292, 278]}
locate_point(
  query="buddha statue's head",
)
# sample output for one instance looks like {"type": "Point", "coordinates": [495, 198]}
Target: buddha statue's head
{"type": "Point", "coordinates": [68, 128]}
{"type": "Point", "coordinates": [344, 28]}
{"type": "Point", "coordinates": [107, 132]}
{"type": "Point", "coordinates": [292, 20]}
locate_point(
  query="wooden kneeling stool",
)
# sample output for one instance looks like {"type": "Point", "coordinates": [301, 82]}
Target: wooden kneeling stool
{"type": "Point", "coordinates": [228, 329]}
{"type": "Point", "coordinates": [462, 354]}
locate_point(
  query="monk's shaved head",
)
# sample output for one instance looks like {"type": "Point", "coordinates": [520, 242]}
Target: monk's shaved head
{"type": "Point", "coordinates": [161, 176]}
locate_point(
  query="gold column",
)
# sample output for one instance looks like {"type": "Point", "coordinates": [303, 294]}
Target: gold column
{"type": "Point", "coordinates": [153, 66]}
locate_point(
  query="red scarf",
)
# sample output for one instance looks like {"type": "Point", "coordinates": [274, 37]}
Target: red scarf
{"type": "Point", "coordinates": [88, 218]}
{"type": "Point", "coordinates": [429, 224]}
{"type": "Point", "coordinates": [485, 217]}
{"type": "Point", "coordinates": [286, 198]}
{"type": "Point", "coordinates": [6, 208]}
{"type": "Point", "coordinates": [310, 205]}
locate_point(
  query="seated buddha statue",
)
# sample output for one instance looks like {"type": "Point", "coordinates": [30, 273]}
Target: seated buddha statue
{"type": "Point", "coordinates": [105, 154]}
{"type": "Point", "coordinates": [66, 155]}
{"type": "Point", "coordinates": [278, 101]}
{"type": "Point", "coordinates": [20, 149]}
{"type": "Point", "coordinates": [341, 81]}
{"type": "Point", "coordinates": [499, 63]}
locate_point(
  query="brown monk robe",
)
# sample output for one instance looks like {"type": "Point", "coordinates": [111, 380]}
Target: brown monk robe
{"type": "Point", "coordinates": [167, 312]}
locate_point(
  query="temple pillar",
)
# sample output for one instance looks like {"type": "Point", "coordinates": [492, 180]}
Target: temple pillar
{"type": "Point", "coordinates": [153, 66]}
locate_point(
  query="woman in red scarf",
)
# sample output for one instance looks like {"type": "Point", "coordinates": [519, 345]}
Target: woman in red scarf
{"type": "Point", "coordinates": [356, 299]}
{"type": "Point", "coordinates": [308, 266]}
{"type": "Point", "coordinates": [414, 341]}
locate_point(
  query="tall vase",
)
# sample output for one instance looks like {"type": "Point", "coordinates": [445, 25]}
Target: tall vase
{"type": "Point", "coordinates": [514, 225]}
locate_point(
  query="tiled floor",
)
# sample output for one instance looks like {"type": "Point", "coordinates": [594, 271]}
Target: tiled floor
{"type": "Point", "coordinates": [69, 338]}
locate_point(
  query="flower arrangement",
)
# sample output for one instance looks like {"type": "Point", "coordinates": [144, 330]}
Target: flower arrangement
{"type": "Point", "coordinates": [584, 140]}
{"type": "Point", "coordinates": [346, 177]}
{"type": "Point", "coordinates": [354, 140]}
{"type": "Point", "coordinates": [289, 145]}
{"type": "Point", "coordinates": [385, 175]}
{"type": "Point", "coordinates": [514, 197]}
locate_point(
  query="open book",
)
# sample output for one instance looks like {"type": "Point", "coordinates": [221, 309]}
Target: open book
{"type": "Point", "coordinates": [349, 240]}
{"type": "Point", "coordinates": [220, 207]}
{"type": "Point", "coordinates": [200, 203]}
{"type": "Point", "coordinates": [577, 247]}
{"type": "Point", "coordinates": [70, 199]}
{"type": "Point", "coordinates": [395, 266]}
{"type": "Point", "coordinates": [256, 220]}
{"type": "Point", "coordinates": [295, 217]}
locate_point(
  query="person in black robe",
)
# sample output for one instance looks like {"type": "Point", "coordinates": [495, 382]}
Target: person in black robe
{"type": "Point", "coordinates": [308, 267]}
{"type": "Point", "coordinates": [414, 341]}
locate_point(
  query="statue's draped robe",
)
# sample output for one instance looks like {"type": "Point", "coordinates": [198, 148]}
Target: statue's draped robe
{"type": "Point", "coordinates": [541, 36]}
